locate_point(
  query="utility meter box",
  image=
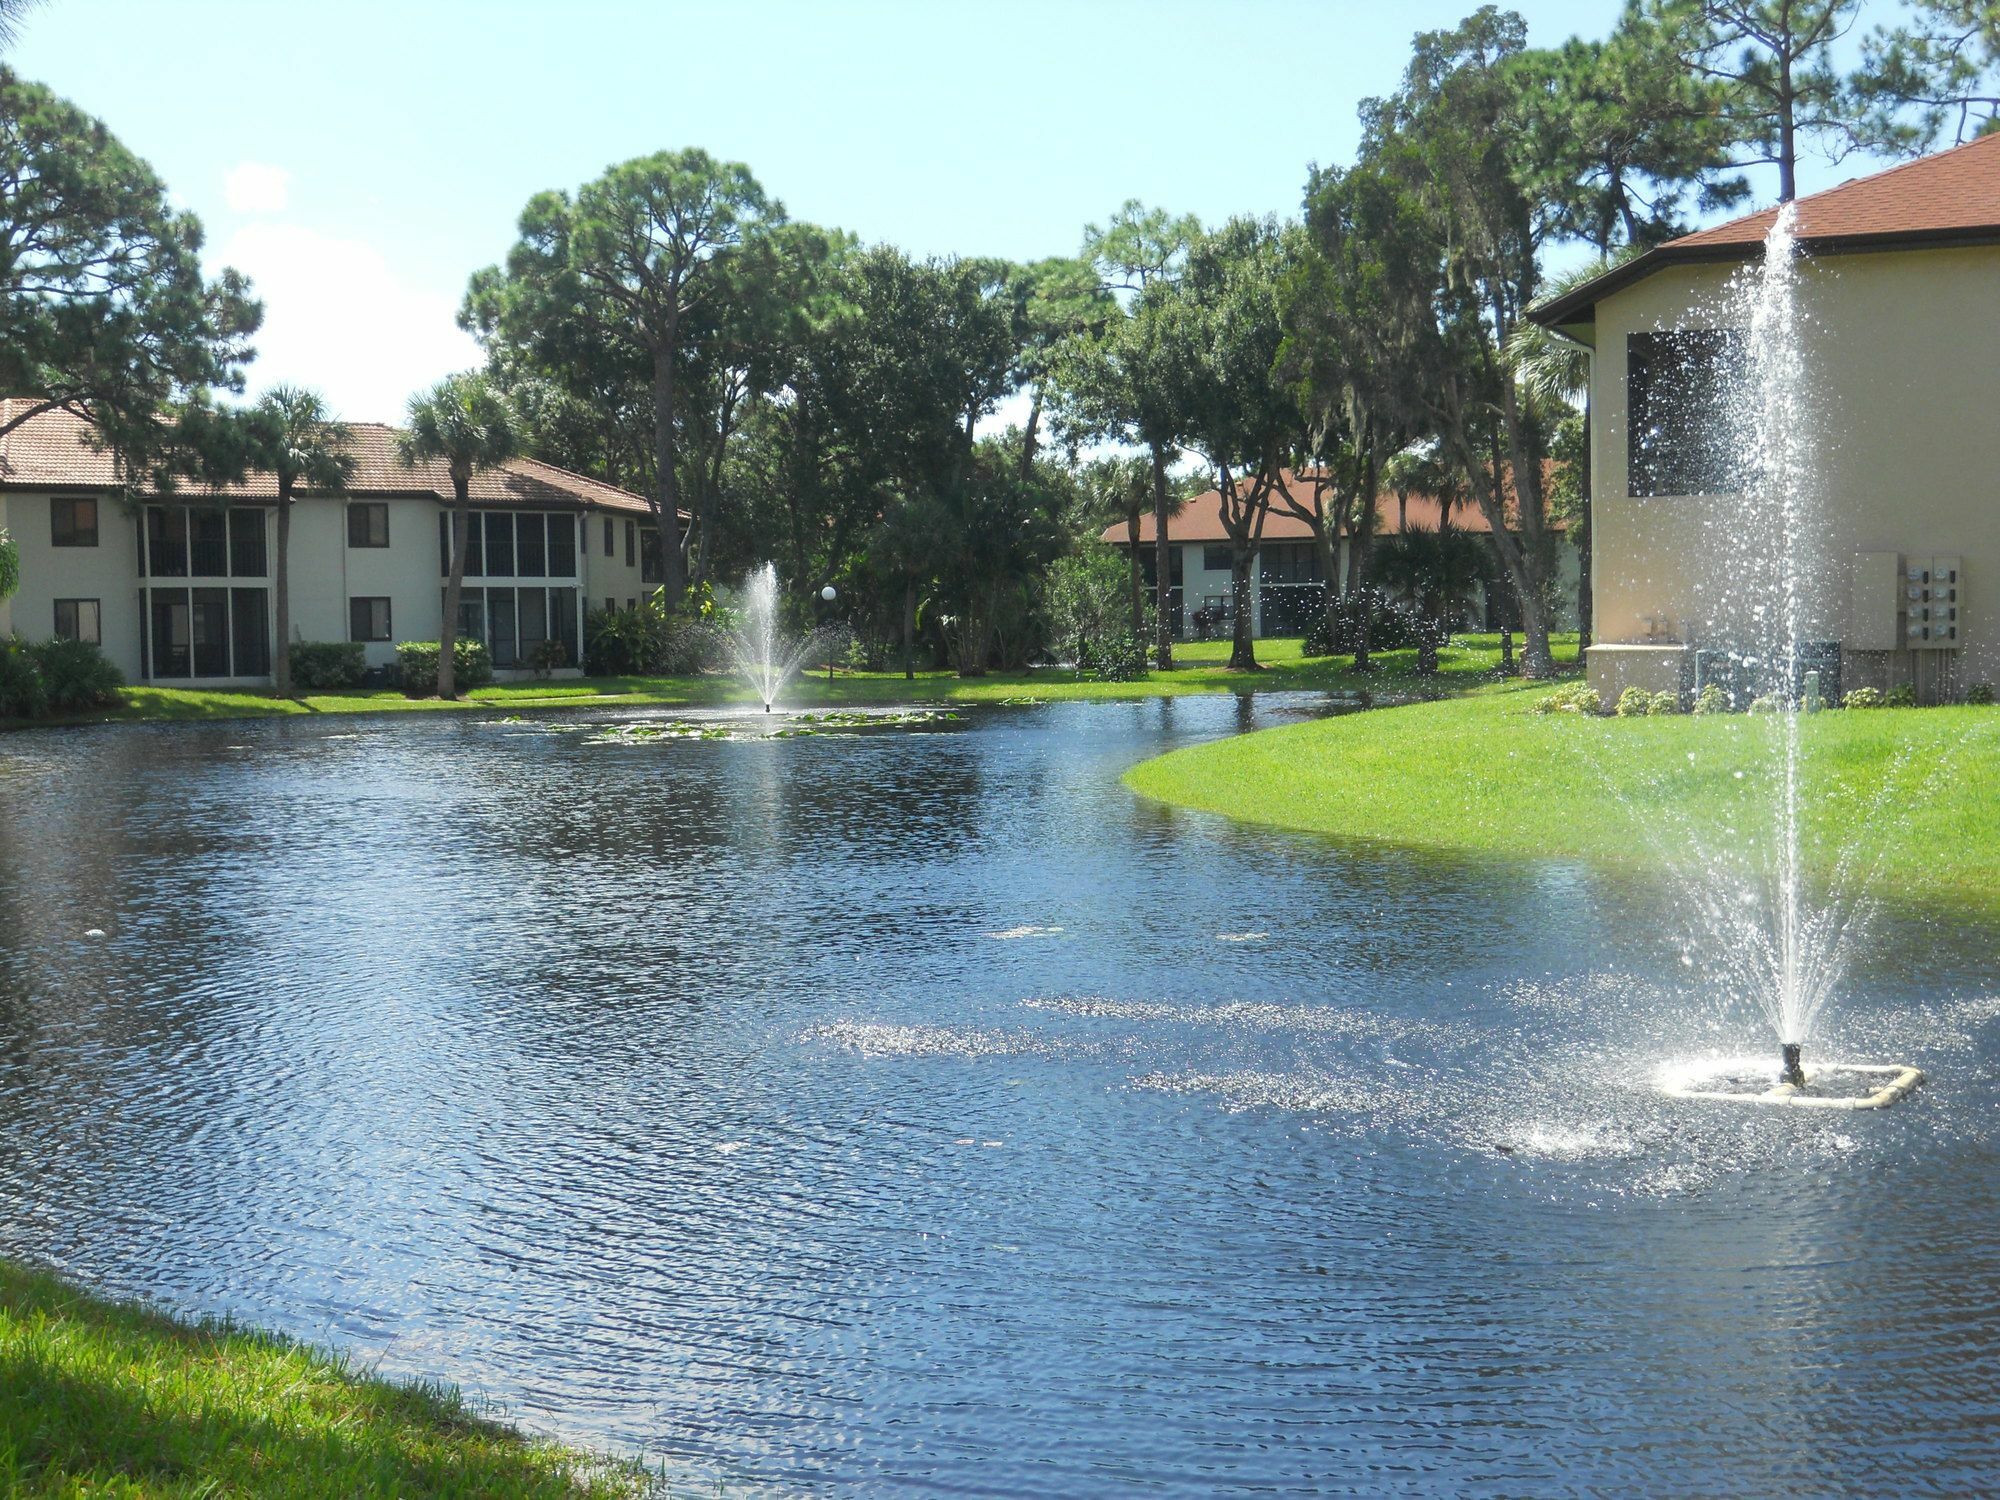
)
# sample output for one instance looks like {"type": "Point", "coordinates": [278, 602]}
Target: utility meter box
{"type": "Point", "coordinates": [1877, 616]}
{"type": "Point", "coordinates": [1932, 592]}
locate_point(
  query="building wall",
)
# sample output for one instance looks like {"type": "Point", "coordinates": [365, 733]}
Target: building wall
{"type": "Point", "coordinates": [108, 572]}
{"type": "Point", "coordinates": [1900, 349]}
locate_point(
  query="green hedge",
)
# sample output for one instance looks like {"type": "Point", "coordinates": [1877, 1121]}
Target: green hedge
{"type": "Point", "coordinates": [318, 666]}
{"type": "Point", "coordinates": [41, 678]}
{"type": "Point", "coordinates": [472, 666]}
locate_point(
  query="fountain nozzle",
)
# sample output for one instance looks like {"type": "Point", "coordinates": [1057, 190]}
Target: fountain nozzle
{"type": "Point", "coordinates": [1791, 1072]}
{"type": "Point", "coordinates": [767, 708]}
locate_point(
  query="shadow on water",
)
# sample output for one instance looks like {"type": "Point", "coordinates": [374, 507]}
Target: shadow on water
{"type": "Point", "coordinates": [920, 1110]}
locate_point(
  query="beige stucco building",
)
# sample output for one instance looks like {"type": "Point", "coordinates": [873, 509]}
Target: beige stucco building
{"type": "Point", "coordinates": [1899, 328]}
{"type": "Point", "coordinates": [178, 590]}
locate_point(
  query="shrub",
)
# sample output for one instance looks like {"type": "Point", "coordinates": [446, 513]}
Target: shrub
{"type": "Point", "coordinates": [1902, 695]}
{"type": "Point", "coordinates": [318, 666]}
{"type": "Point", "coordinates": [1391, 626]}
{"type": "Point", "coordinates": [547, 657]}
{"type": "Point", "coordinates": [1862, 697]}
{"type": "Point", "coordinates": [472, 666]}
{"type": "Point", "coordinates": [1086, 604]}
{"type": "Point", "coordinates": [1634, 703]}
{"type": "Point", "coordinates": [22, 694]}
{"type": "Point", "coordinates": [75, 675]}
{"type": "Point", "coordinates": [1571, 698]}
{"type": "Point", "coordinates": [1980, 694]}
{"type": "Point", "coordinates": [1767, 703]}
{"type": "Point", "coordinates": [1711, 700]}
{"type": "Point", "coordinates": [1665, 703]}
{"type": "Point", "coordinates": [645, 641]}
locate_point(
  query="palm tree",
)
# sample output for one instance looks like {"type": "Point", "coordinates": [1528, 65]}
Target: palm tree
{"type": "Point", "coordinates": [1437, 570]}
{"type": "Point", "coordinates": [465, 423]}
{"type": "Point", "coordinates": [294, 436]}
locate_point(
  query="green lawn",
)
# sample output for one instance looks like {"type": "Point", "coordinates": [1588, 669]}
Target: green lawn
{"type": "Point", "coordinates": [1911, 795]}
{"type": "Point", "coordinates": [1199, 668]}
{"type": "Point", "coordinates": [112, 1399]}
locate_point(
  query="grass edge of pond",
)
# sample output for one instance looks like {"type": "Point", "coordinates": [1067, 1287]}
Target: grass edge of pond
{"type": "Point", "coordinates": [105, 1396]}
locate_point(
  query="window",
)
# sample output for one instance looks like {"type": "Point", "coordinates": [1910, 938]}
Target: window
{"type": "Point", "coordinates": [499, 544]}
{"type": "Point", "coordinates": [1677, 403]}
{"type": "Point", "coordinates": [170, 632]}
{"type": "Point", "coordinates": [562, 546]}
{"type": "Point", "coordinates": [368, 620]}
{"type": "Point", "coordinates": [209, 623]}
{"type": "Point", "coordinates": [210, 545]}
{"type": "Point", "coordinates": [368, 523]}
{"type": "Point", "coordinates": [500, 627]}
{"type": "Point", "coordinates": [166, 544]}
{"type": "Point", "coordinates": [475, 564]}
{"type": "Point", "coordinates": [631, 544]}
{"type": "Point", "coordinates": [1215, 559]}
{"type": "Point", "coordinates": [246, 543]}
{"type": "Point", "coordinates": [79, 620]}
{"type": "Point", "coordinates": [73, 521]}
{"type": "Point", "coordinates": [650, 570]}
{"type": "Point", "coordinates": [610, 538]}
{"type": "Point", "coordinates": [611, 606]}
{"type": "Point", "coordinates": [534, 617]}
{"type": "Point", "coordinates": [250, 632]}
{"type": "Point", "coordinates": [562, 620]}
{"type": "Point", "coordinates": [531, 550]}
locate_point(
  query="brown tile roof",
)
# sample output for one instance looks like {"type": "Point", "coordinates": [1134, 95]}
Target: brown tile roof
{"type": "Point", "coordinates": [1952, 197]}
{"type": "Point", "coordinates": [52, 451]}
{"type": "Point", "coordinates": [1200, 520]}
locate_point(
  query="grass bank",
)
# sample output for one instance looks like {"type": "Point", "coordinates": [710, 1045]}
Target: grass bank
{"type": "Point", "coordinates": [1199, 668]}
{"type": "Point", "coordinates": [1909, 798]}
{"type": "Point", "coordinates": [113, 1399]}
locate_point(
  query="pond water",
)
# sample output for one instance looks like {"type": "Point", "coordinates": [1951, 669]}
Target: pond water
{"type": "Point", "coordinates": [915, 1110]}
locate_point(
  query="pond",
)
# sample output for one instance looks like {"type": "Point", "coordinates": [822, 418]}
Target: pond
{"type": "Point", "coordinates": [912, 1109]}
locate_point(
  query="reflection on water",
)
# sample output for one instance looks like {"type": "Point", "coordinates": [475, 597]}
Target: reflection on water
{"type": "Point", "coordinates": [917, 1110]}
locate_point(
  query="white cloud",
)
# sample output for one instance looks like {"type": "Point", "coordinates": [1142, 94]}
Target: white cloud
{"type": "Point", "coordinates": [339, 319]}
{"type": "Point", "coordinates": [251, 187]}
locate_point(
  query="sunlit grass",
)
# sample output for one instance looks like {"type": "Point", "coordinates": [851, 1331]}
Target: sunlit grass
{"type": "Point", "coordinates": [1915, 793]}
{"type": "Point", "coordinates": [1200, 667]}
{"type": "Point", "coordinates": [111, 1399]}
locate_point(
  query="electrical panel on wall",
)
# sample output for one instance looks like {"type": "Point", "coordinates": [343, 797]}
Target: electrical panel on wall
{"type": "Point", "coordinates": [1932, 593]}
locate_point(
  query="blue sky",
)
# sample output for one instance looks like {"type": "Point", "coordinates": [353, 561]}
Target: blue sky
{"type": "Point", "coordinates": [359, 160]}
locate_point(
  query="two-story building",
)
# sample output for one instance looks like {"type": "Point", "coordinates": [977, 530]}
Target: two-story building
{"type": "Point", "coordinates": [1287, 589]}
{"type": "Point", "coordinates": [177, 590]}
{"type": "Point", "coordinates": [1898, 527]}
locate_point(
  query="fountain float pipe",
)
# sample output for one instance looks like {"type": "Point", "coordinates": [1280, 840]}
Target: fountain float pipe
{"type": "Point", "coordinates": [1791, 1072]}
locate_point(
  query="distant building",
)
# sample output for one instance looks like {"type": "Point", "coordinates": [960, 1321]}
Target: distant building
{"type": "Point", "coordinates": [179, 591]}
{"type": "Point", "coordinates": [1901, 294]}
{"type": "Point", "coordinates": [1285, 575]}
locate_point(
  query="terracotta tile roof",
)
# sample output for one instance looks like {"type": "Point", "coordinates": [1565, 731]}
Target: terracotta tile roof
{"type": "Point", "coordinates": [1200, 520]}
{"type": "Point", "coordinates": [52, 451]}
{"type": "Point", "coordinates": [1955, 191]}
{"type": "Point", "coordinates": [1952, 197]}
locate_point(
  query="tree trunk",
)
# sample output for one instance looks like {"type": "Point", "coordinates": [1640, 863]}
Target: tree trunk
{"type": "Point", "coordinates": [454, 586]}
{"type": "Point", "coordinates": [1163, 657]}
{"type": "Point", "coordinates": [1524, 557]}
{"type": "Point", "coordinates": [1242, 646]}
{"type": "Point", "coordinates": [666, 483]}
{"type": "Point", "coordinates": [909, 628]}
{"type": "Point", "coordinates": [281, 593]}
{"type": "Point", "coordinates": [1028, 438]}
{"type": "Point", "coordinates": [1138, 576]}
{"type": "Point", "coordinates": [1788, 144]}
{"type": "Point", "coordinates": [1359, 546]}
{"type": "Point", "coordinates": [1328, 547]}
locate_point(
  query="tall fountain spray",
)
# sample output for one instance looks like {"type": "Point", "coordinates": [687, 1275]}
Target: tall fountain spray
{"type": "Point", "coordinates": [763, 652]}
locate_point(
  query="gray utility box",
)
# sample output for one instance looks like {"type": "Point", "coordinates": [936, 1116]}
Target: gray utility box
{"type": "Point", "coordinates": [1904, 603]}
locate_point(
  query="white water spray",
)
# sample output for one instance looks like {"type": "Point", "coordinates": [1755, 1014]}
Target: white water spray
{"type": "Point", "coordinates": [763, 653]}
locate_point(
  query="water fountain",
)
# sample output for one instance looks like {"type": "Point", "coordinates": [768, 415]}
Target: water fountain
{"type": "Point", "coordinates": [760, 648]}
{"type": "Point", "coordinates": [1764, 928]}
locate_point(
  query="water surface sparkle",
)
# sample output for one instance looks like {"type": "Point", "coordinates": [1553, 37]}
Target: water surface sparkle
{"type": "Point", "coordinates": [678, 1094]}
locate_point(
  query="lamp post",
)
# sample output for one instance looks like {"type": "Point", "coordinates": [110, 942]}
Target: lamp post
{"type": "Point", "coordinates": [827, 596]}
